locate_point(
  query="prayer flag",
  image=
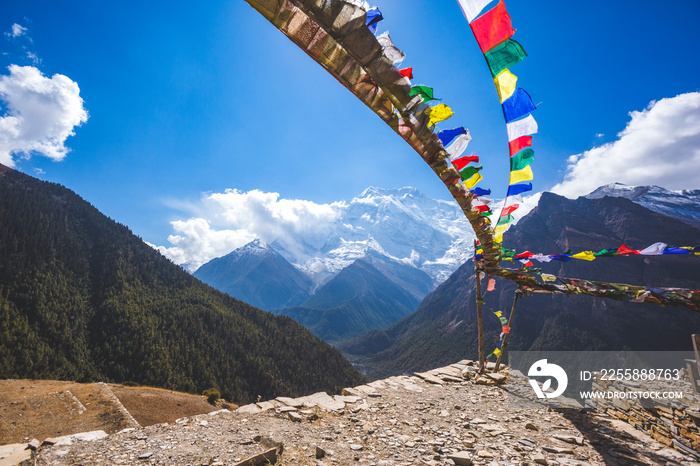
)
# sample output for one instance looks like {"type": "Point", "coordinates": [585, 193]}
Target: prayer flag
{"type": "Point", "coordinates": [625, 251]}
{"type": "Point", "coordinates": [505, 84]}
{"type": "Point", "coordinates": [676, 251]}
{"type": "Point", "coordinates": [523, 255]}
{"type": "Point", "coordinates": [425, 92]}
{"type": "Point", "coordinates": [541, 258]}
{"type": "Point", "coordinates": [504, 56]}
{"type": "Point", "coordinates": [458, 145]}
{"type": "Point", "coordinates": [606, 253]}
{"type": "Point", "coordinates": [522, 160]}
{"type": "Point", "coordinates": [491, 285]}
{"type": "Point", "coordinates": [518, 105]}
{"type": "Point", "coordinates": [389, 49]}
{"type": "Point", "coordinates": [472, 8]}
{"type": "Point", "coordinates": [471, 182]}
{"type": "Point", "coordinates": [655, 249]}
{"type": "Point", "coordinates": [488, 213]}
{"type": "Point", "coordinates": [505, 329]}
{"type": "Point", "coordinates": [500, 229]}
{"type": "Point", "coordinates": [497, 352]}
{"type": "Point", "coordinates": [510, 209]}
{"type": "Point", "coordinates": [438, 113]}
{"type": "Point", "coordinates": [407, 72]}
{"type": "Point", "coordinates": [492, 28]}
{"type": "Point", "coordinates": [519, 188]}
{"type": "Point", "coordinates": [374, 16]}
{"type": "Point", "coordinates": [462, 162]}
{"type": "Point", "coordinates": [481, 192]}
{"type": "Point", "coordinates": [481, 208]}
{"type": "Point", "coordinates": [524, 174]}
{"type": "Point", "coordinates": [548, 278]}
{"type": "Point", "coordinates": [504, 220]}
{"type": "Point", "coordinates": [516, 145]}
{"type": "Point", "coordinates": [585, 255]}
{"type": "Point", "coordinates": [447, 135]}
{"type": "Point", "coordinates": [524, 127]}
{"type": "Point", "coordinates": [468, 172]}
{"type": "Point", "coordinates": [561, 257]}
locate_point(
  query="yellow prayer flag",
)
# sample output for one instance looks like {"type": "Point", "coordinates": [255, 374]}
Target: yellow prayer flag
{"type": "Point", "coordinates": [585, 255]}
{"type": "Point", "coordinates": [497, 352]}
{"type": "Point", "coordinates": [498, 239]}
{"type": "Point", "coordinates": [521, 175]}
{"type": "Point", "coordinates": [438, 113]}
{"type": "Point", "coordinates": [548, 278]}
{"type": "Point", "coordinates": [500, 229]}
{"type": "Point", "coordinates": [471, 182]}
{"type": "Point", "coordinates": [505, 84]}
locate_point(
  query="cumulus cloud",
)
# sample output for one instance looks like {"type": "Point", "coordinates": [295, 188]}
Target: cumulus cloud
{"type": "Point", "coordinates": [659, 146]}
{"type": "Point", "coordinates": [226, 221]}
{"type": "Point", "coordinates": [40, 113]}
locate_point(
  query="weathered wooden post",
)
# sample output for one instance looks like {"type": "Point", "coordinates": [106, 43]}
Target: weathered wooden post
{"type": "Point", "coordinates": [478, 270]}
{"type": "Point", "coordinates": [518, 292]}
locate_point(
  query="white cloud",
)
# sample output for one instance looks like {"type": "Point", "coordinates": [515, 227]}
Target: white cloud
{"type": "Point", "coordinates": [33, 58]}
{"type": "Point", "coordinates": [226, 221]}
{"type": "Point", "coordinates": [659, 146]}
{"type": "Point", "coordinates": [17, 30]}
{"type": "Point", "coordinates": [41, 113]}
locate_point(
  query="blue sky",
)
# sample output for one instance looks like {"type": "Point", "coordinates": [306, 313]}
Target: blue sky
{"type": "Point", "coordinates": [188, 99]}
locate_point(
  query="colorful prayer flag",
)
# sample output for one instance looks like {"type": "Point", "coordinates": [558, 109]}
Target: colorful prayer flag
{"type": "Point", "coordinates": [407, 72]}
{"type": "Point", "coordinates": [458, 145]}
{"type": "Point", "coordinates": [472, 8]}
{"type": "Point", "coordinates": [504, 56]}
{"type": "Point", "coordinates": [518, 144]}
{"type": "Point", "coordinates": [471, 182]}
{"type": "Point", "coordinates": [481, 192]}
{"type": "Point", "coordinates": [504, 220]}
{"type": "Point", "coordinates": [522, 159]}
{"type": "Point", "coordinates": [655, 249]}
{"type": "Point", "coordinates": [524, 174]}
{"type": "Point", "coordinates": [374, 16]}
{"type": "Point", "coordinates": [468, 172]}
{"type": "Point", "coordinates": [492, 28]}
{"type": "Point", "coordinates": [505, 84]}
{"type": "Point", "coordinates": [515, 189]}
{"type": "Point", "coordinates": [462, 162]}
{"type": "Point", "coordinates": [524, 127]}
{"type": "Point", "coordinates": [585, 255]}
{"type": "Point", "coordinates": [438, 113]}
{"type": "Point", "coordinates": [625, 251]}
{"type": "Point", "coordinates": [425, 92]}
{"type": "Point", "coordinates": [447, 135]}
{"type": "Point", "coordinates": [510, 209]}
{"type": "Point", "coordinates": [518, 105]}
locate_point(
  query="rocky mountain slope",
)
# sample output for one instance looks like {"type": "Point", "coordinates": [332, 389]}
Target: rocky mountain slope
{"type": "Point", "coordinates": [82, 298]}
{"type": "Point", "coordinates": [444, 326]}
{"type": "Point", "coordinates": [257, 275]}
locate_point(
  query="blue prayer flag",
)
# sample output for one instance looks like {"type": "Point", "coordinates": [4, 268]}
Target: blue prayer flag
{"type": "Point", "coordinates": [515, 189]}
{"type": "Point", "coordinates": [373, 18]}
{"type": "Point", "coordinates": [518, 105]}
{"type": "Point", "coordinates": [446, 136]}
{"type": "Point", "coordinates": [481, 192]}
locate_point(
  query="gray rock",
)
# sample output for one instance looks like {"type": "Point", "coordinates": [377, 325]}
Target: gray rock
{"type": "Point", "coordinates": [33, 444]}
{"type": "Point", "coordinates": [145, 456]}
{"type": "Point", "coordinates": [294, 416]}
{"type": "Point", "coordinates": [320, 452]}
{"type": "Point", "coordinates": [461, 458]}
{"type": "Point", "coordinates": [356, 447]}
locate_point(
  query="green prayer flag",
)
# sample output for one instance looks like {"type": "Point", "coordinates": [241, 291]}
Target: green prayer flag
{"type": "Point", "coordinates": [470, 171]}
{"type": "Point", "coordinates": [425, 92]}
{"type": "Point", "coordinates": [505, 220]}
{"type": "Point", "coordinates": [503, 320]}
{"type": "Point", "coordinates": [606, 253]}
{"type": "Point", "coordinates": [505, 252]}
{"type": "Point", "coordinates": [504, 56]}
{"type": "Point", "coordinates": [487, 213]}
{"type": "Point", "coordinates": [522, 159]}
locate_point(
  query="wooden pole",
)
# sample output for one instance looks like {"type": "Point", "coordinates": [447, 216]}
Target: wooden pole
{"type": "Point", "coordinates": [480, 321]}
{"type": "Point", "coordinates": [505, 338]}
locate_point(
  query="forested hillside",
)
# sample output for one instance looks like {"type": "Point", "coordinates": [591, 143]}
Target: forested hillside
{"type": "Point", "coordinates": [82, 298]}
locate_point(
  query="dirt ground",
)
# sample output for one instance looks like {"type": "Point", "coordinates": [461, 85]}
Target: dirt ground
{"type": "Point", "coordinates": [47, 408]}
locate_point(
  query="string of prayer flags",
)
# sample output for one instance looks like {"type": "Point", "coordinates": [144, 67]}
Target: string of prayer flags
{"type": "Point", "coordinates": [389, 49]}
{"type": "Point", "coordinates": [425, 92]}
{"type": "Point", "coordinates": [374, 16]}
{"type": "Point", "coordinates": [503, 320]}
{"type": "Point", "coordinates": [438, 113]}
{"type": "Point", "coordinates": [492, 28]}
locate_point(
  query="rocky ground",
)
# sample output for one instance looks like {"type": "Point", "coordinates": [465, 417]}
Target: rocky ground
{"type": "Point", "coordinates": [432, 418]}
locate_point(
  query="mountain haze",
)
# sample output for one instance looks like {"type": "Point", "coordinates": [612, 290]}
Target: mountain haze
{"type": "Point", "coordinates": [82, 298]}
{"type": "Point", "coordinates": [444, 326]}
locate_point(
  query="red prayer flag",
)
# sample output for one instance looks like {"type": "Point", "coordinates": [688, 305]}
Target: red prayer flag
{"type": "Point", "coordinates": [509, 210]}
{"type": "Point", "coordinates": [516, 145]}
{"type": "Point", "coordinates": [407, 73]}
{"type": "Point", "coordinates": [625, 251]}
{"type": "Point", "coordinates": [523, 255]}
{"type": "Point", "coordinates": [492, 28]}
{"type": "Point", "coordinates": [491, 284]}
{"type": "Point", "coordinates": [505, 329]}
{"type": "Point", "coordinates": [462, 162]}
{"type": "Point", "coordinates": [481, 208]}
